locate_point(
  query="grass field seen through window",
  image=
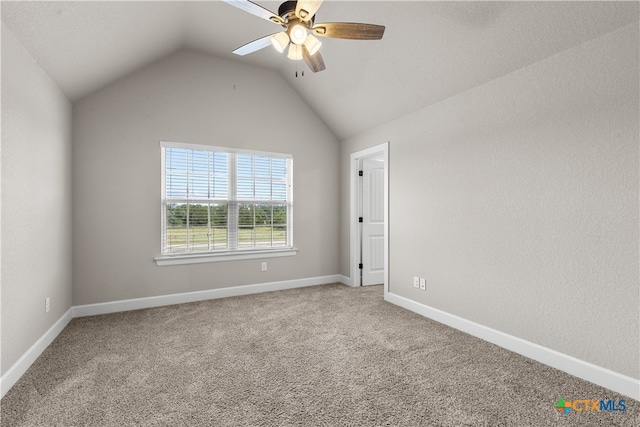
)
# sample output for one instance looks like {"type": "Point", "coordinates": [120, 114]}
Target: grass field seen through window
{"type": "Point", "coordinates": [201, 239]}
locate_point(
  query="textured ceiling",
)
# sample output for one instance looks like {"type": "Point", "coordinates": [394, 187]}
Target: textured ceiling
{"type": "Point", "coordinates": [430, 51]}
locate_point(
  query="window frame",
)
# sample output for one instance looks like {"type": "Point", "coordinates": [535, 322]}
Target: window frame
{"type": "Point", "coordinates": [234, 253]}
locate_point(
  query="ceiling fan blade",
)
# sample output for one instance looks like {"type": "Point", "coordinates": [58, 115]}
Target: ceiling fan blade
{"type": "Point", "coordinates": [256, 10]}
{"type": "Point", "coordinates": [306, 9]}
{"type": "Point", "coordinates": [349, 30]}
{"type": "Point", "coordinates": [253, 46]}
{"type": "Point", "coordinates": [314, 62]}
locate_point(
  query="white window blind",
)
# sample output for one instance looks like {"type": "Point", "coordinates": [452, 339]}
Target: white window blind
{"type": "Point", "coordinates": [219, 200]}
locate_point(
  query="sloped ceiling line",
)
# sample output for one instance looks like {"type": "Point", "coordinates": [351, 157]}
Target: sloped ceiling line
{"type": "Point", "coordinates": [430, 51]}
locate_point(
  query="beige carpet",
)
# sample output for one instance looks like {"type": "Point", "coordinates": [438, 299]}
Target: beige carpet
{"type": "Point", "coordinates": [321, 356]}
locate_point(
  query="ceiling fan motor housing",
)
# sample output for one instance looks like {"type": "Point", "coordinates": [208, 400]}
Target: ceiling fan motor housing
{"type": "Point", "coordinates": [297, 18]}
{"type": "Point", "coordinates": [287, 10]}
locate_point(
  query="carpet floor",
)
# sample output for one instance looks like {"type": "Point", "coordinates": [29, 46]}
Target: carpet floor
{"type": "Point", "coordinates": [319, 356]}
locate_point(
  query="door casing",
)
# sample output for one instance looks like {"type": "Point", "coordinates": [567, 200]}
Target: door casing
{"type": "Point", "coordinates": [353, 215]}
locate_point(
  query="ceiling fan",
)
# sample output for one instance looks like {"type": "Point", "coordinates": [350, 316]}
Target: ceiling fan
{"type": "Point", "coordinates": [297, 18]}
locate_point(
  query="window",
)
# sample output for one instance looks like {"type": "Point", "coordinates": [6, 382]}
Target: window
{"type": "Point", "coordinates": [217, 201]}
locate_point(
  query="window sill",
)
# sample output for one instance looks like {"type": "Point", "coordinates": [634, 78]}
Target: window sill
{"type": "Point", "coordinates": [223, 256]}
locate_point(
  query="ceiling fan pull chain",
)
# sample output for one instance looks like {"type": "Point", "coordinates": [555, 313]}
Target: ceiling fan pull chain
{"type": "Point", "coordinates": [297, 18]}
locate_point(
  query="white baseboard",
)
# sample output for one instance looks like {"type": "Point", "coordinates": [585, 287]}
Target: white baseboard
{"type": "Point", "coordinates": [18, 369]}
{"type": "Point", "coordinates": [347, 281]}
{"type": "Point", "coordinates": [162, 300]}
{"type": "Point", "coordinates": [579, 368]}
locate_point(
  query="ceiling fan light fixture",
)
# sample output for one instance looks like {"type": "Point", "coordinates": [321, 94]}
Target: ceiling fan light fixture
{"type": "Point", "coordinates": [298, 33]}
{"type": "Point", "coordinates": [297, 18]}
{"type": "Point", "coordinates": [295, 52]}
{"type": "Point", "coordinates": [312, 44]}
{"type": "Point", "coordinates": [280, 41]}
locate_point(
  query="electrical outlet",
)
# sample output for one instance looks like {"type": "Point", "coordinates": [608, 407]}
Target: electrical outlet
{"type": "Point", "coordinates": [264, 266]}
{"type": "Point", "coordinates": [423, 284]}
{"type": "Point", "coordinates": [416, 282]}
{"type": "Point", "coordinates": [47, 304]}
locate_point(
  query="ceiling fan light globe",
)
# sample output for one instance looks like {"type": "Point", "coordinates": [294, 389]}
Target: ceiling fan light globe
{"type": "Point", "coordinates": [298, 34]}
{"type": "Point", "coordinates": [295, 52]}
{"type": "Point", "coordinates": [280, 41]}
{"type": "Point", "coordinates": [312, 44]}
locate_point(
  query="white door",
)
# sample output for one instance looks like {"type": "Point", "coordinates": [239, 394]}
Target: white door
{"type": "Point", "coordinates": [372, 220]}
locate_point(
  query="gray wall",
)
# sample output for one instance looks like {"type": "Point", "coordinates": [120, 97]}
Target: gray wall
{"type": "Point", "coordinates": [191, 98]}
{"type": "Point", "coordinates": [518, 202]}
{"type": "Point", "coordinates": [36, 201]}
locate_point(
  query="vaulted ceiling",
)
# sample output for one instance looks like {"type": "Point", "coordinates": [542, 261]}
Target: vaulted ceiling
{"type": "Point", "coordinates": [430, 50]}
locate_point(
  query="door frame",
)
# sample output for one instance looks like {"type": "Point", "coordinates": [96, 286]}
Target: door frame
{"type": "Point", "coordinates": [354, 251]}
